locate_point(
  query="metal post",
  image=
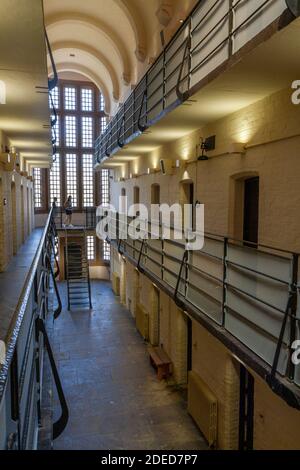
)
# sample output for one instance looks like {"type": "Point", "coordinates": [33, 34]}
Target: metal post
{"type": "Point", "coordinates": [293, 314]}
{"type": "Point", "coordinates": [225, 252]}
{"type": "Point", "coordinates": [231, 27]}
{"type": "Point", "coordinates": [15, 409]}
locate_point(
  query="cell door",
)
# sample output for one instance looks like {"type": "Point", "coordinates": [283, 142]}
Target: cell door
{"type": "Point", "coordinates": [251, 211]}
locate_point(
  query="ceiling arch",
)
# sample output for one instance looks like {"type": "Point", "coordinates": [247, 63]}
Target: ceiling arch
{"type": "Point", "coordinates": [137, 26]}
{"type": "Point", "coordinates": [91, 75]}
{"type": "Point", "coordinates": [75, 45]}
{"type": "Point", "coordinates": [112, 36]}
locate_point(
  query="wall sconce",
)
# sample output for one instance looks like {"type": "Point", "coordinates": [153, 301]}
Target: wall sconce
{"type": "Point", "coordinates": [237, 148]}
{"type": "Point", "coordinates": [2, 92]}
{"type": "Point", "coordinates": [206, 145]}
{"type": "Point", "coordinates": [186, 177]}
{"type": "Point", "coordinates": [166, 166]}
{"type": "Point", "coordinates": [121, 179]}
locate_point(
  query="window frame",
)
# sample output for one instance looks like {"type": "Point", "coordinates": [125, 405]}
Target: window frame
{"type": "Point", "coordinates": [79, 150]}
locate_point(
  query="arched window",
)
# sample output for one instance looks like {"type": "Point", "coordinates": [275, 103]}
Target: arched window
{"type": "Point", "coordinates": [122, 208]}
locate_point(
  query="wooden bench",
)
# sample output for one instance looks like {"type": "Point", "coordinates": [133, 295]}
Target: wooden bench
{"type": "Point", "coordinates": [160, 361]}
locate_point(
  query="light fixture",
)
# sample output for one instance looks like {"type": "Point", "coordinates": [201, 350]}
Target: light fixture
{"type": "Point", "coordinates": [206, 145]}
{"type": "Point", "coordinates": [237, 148]}
{"type": "Point", "coordinates": [2, 92]}
{"type": "Point", "coordinates": [181, 21]}
{"type": "Point", "coordinates": [186, 177]}
{"type": "Point", "coordinates": [151, 171]}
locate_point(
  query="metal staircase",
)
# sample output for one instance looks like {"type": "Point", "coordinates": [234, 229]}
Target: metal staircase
{"type": "Point", "coordinates": [77, 274]}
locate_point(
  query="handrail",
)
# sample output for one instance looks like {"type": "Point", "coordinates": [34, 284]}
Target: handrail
{"type": "Point", "coordinates": [58, 310]}
{"type": "Point", "coordinates": [60, 424]}
{"type": "Point", "coordinates": [218, 237]}
{"type": "Point", "coordinates": [52, 82]}
{"type": "Point", "coordinates": [20, 310]}
{"type": "Point", "coordinates": [22, 366]}
{"type": "Point", "coordinates": [229, 283]}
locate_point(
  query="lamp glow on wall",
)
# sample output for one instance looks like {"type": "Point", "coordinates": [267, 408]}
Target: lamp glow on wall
{"type": "Point", "coordinates": [2, 92]}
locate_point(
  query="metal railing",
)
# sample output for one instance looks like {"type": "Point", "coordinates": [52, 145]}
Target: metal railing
{"type": "Point", "coordinates": [22, 373]}
{"type": "Point", "coordinates": [88, 216]}
{"type": "Point", "coordinates": [211, 35]}
{"type": "Point", "coordinates": [251, 292]}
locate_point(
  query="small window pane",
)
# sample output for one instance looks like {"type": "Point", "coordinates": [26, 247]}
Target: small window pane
{"type": "Point", "coordinates": [55, 98]}
{"type": "Point", "coordinates": [87, 132]}
{"type": "Point", "coordinates": [71, 131]}
{"type": "Point", "coordinates": [86, 99]}
{"type": "Point", "coordinates": [55, 184]}
{"type": "Point", "coordinates": [104, 186]}
{"type": "Point", "coordinates": [101, 103]}
{"type": "Point", "coordinates": [56, 131]}
{"type": "Point", "coordinates": [90, 245]}
{"type": "Point", "coordinates": [37, 178]}
{"type": "Point", "coordinates": [106, 251]}
{"type": "Point", "coordinates": [70, 98]}
{"type": "Point", "coordinates": [88, 180]}
{"type": "Point", "coordinates": [71, 177]}
{"type": "Point", "coordinates": [103, 124]}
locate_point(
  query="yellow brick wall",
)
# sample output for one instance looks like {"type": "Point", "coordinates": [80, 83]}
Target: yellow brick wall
{"type": "Point", "coordinates": [276, 425]}
{"type": "Point", "coordinates": [6, 228]}
{"type": "Point", "coordinates": [270, 130]}
{"type": "Point", "coordinates": [216, 366]}
{"type": "Point", "coordinates": [213, 363]}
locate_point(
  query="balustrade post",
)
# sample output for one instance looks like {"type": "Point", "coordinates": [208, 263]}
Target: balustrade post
{"type": "Point", "coordinates": [231, 28]}
{"type": "Point", "coordinates": [225, 253]}
{"type": "Point", "coordinates": [14, 390]}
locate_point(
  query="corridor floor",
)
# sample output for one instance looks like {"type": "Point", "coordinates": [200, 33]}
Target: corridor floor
{"type": "Point", "coordinates": [114, 397]}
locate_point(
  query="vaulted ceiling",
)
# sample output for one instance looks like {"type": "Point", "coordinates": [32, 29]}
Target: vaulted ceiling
{"type": "Point", "coordinates": [111, 42]}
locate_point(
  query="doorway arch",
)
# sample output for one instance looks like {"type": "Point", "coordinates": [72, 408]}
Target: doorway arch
{"type": "Point", "coordinates": [244, 207]}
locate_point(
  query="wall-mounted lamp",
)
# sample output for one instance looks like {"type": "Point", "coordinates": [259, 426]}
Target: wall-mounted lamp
{"type": "Point", "coordinates": [166, 166]}
{"type": "Point", "coordinates": [237, 148]}
{"type": "Point", "coordinates": [206, 145]}
{"type": "Point", "coordinates": [2, 92]}
{"type": "Point", "coordinates": [186, 178]}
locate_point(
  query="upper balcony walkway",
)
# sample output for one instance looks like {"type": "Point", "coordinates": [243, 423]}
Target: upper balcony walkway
{"type": "Point", "coordinates": [246, 296]}
{"type": "Point", "coordinates": [217, 40]}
